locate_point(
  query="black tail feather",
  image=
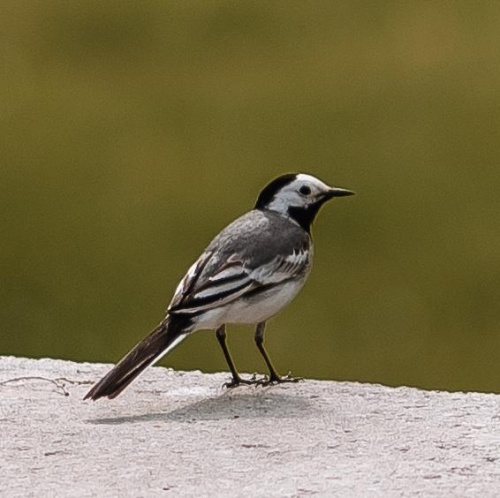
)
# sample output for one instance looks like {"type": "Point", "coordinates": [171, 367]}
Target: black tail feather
{"type": "Point", "coordinates": [144, 354]}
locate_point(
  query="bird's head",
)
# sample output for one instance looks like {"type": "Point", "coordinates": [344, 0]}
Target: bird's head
{"type": "Point", "coordinates": [298, 196]}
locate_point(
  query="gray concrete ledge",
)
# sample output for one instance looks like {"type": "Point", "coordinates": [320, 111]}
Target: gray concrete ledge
{"type": "Point", "coordinates": [181, 434]}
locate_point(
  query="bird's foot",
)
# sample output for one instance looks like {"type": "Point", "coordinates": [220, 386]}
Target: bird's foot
{"type": "Point", "coordinates": [238, 381]}
{"type": "Point", "coordinates": [276, 379]}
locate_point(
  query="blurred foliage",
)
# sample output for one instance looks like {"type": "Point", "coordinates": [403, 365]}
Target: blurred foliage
{"type": "Point", "coordinates": [131, 132]}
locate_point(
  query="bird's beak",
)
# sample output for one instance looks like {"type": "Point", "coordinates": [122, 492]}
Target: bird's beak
{"type": "Point", "coordinates": [337, 192]}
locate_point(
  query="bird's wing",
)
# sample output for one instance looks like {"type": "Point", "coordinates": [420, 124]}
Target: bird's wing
{"type": "Point", "coordinates": [200, 289]}
{"type": "Point", "coordinates": [209, 285]}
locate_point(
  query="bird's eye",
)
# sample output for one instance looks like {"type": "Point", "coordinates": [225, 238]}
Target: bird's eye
{"type": "Point", "coordinates": [305, 190]}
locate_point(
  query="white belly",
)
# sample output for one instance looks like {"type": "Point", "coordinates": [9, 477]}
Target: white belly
{"type": "Point", "coordinates": [252, 310]}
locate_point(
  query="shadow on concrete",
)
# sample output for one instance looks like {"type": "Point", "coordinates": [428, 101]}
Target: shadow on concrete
{"type": "Point", "coordinates": [224, 407]}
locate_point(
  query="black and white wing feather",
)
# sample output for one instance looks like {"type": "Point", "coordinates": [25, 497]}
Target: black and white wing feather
{"type": "Point", "coordinates": [233, 280]}
{"type": "Point", "coordinates": [198, 292]}
{"type": "Point", "coordinates": [229, 269]}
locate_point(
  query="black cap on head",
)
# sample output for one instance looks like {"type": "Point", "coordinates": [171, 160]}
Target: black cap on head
{"type": "Point", "coordinates": [267, 194]}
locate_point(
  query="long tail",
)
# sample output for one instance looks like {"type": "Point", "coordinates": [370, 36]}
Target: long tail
{"type": "Point", "coordinates": [158, 343]}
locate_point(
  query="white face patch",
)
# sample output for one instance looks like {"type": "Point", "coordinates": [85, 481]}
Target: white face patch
{"type": "Point", "coordinates": [301, 192]}
{"type": "Point", "coordinates": [308, 179]}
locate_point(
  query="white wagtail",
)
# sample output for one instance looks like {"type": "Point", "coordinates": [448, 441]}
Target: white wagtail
{"type": "Point", "coordinates": [248, 274]}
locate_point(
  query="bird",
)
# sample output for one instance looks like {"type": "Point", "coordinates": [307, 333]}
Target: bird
{"type": "Point", "coordinates": [249, 272]}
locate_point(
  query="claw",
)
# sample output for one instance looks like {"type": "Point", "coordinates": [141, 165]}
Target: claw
{"type": "Point", "coordinates": [263, 382]}
{"type": "Point", "coordinates": [270, 381]}
{"type": "Point", "coordinates": [289, 378]}
{"type": "Point", "coordinates": [231, 385]}
{"type": "Point", "coordinates": [238, 381]}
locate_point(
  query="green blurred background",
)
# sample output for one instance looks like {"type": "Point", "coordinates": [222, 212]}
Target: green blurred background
{"type": "Point", "coordinates": [131, 132]}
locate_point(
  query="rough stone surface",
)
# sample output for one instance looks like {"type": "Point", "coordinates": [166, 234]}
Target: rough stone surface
{"type": "Point", "coordinates": [182, 434]}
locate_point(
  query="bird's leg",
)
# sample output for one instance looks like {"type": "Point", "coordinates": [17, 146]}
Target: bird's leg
{"type": "Point", "coordinates": [237, 380]}
{"type": "Point", "coordinates": [274, 377]}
